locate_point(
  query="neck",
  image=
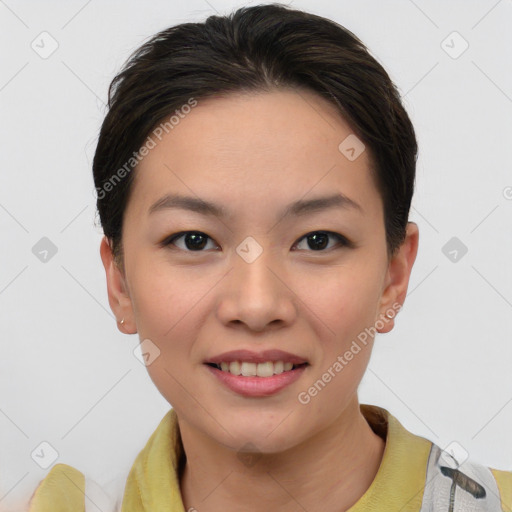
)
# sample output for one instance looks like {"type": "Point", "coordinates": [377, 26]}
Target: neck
{"type": "Point", "coordinates": [328, 472]}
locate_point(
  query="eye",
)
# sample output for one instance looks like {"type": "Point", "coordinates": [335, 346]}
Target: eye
{"type": "Point", "coordinates": [194, 241]}
{"type": "Point", "coordinates": [319, 240]}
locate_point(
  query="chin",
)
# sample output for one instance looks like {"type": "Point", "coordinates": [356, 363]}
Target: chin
{"type": "Point", "coordinates": [260, 435]}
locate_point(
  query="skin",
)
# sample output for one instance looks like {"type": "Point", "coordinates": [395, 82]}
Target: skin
{"type": "Point", "coordinates": [255, 154]}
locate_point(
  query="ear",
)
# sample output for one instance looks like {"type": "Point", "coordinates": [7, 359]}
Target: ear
{"type": "Point", "coordinates": [118, 297]}
{"type": "Point", "coordinates": [397, 278]}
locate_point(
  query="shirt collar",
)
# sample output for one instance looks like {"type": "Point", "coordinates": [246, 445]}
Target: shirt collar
{"type": "Point", "coordinates": [153, 482]}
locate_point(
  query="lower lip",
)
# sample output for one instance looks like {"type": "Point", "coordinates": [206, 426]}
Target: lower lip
{"type": "Point", "coordinates": [257, 386]}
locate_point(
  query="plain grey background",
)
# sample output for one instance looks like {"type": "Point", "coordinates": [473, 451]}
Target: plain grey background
{"type": "Point", "coordinates": [69, 378]}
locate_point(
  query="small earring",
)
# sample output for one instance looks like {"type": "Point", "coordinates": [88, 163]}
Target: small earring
{"type": "Point", "coordinates": [122, 321]}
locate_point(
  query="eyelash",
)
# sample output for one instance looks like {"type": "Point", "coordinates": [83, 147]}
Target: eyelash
{"type": "Point", "coordinates": [343, 241]}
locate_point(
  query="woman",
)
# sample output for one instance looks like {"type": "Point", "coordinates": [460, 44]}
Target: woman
{"type": "Point", "coordinates": [254, 177]}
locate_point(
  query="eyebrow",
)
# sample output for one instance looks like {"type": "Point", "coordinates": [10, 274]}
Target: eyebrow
{"type": "Point", "coordinates": [297, 208]}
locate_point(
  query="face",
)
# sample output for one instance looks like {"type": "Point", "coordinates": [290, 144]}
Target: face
{"type": "Point", "coordinates": [260, 275]}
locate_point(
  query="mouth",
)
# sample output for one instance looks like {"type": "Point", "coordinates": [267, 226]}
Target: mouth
{"type": "Point", "coordinates": [256, 374]}
{"type": "Point", "coordinates": [250, 369]}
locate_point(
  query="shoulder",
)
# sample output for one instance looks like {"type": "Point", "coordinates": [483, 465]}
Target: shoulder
{"type": "Point", "coordinates": [465, 483]}
{"type": "Point", "coordinates": [66, 489]}
{"type": "Point", "coordinates": [62, 489]}
{"type": "Point", "coordinates": [448, 478]}
{"type": "Point", "coordinates": [504, 482]}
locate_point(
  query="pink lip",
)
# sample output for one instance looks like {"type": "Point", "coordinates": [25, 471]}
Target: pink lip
{"type": "Point", "coordinates": [257, 386]}
{"type": "Point", "coordinates": [256, 357]}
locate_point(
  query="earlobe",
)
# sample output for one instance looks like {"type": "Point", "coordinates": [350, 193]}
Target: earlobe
{"type": "Point", "coordinates": [397, 279]}
{"type": "Point", "coordinates": [118, 296]}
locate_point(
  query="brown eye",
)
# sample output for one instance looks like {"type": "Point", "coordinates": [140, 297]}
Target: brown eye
{"type": "Point", "coordinates": [194, 241]}
{"type": "Point", "coordinates": [319, 240]}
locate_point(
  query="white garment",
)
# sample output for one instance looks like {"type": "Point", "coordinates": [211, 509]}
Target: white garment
{"type": "Point", "coordinates": [481, 495]}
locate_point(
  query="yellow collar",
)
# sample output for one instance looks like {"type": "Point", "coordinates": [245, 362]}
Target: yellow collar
{"type": "Point", "coordinates": [153, 482]}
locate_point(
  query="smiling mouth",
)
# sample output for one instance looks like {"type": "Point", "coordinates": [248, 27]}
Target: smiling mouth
{"type": "Point", "coordinates": [247, 369]}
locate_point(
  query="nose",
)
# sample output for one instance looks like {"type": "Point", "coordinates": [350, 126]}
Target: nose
{"type": "Point", "coordinates": [256, 295]}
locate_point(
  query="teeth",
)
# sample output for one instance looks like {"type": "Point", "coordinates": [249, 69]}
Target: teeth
{"type": "Point", "coordinates": [278, 367]}
{"type": "Point", "coordinates": [246, 369]}
{"type": "Point", "coordinates": [234, 368]}
{"type": "Point", "coordinates": [249, 369]}
{"type": "Point", "coordinates": [265, 369]}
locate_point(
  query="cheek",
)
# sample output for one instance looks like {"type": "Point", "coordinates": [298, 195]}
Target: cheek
{"type": "Point", "coordinates": [166, 313]}
{"type": "Point", "coordinates": [162, 301]}
{"type": "Point", "coordinates": [344, 300]}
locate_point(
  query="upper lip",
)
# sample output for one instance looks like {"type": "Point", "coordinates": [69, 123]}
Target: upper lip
{"type": "Point", "coordinates": [256, 357]}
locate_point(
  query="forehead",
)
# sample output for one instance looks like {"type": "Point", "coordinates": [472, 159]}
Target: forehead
{"type": "Point", "coordinates": [255, 149]}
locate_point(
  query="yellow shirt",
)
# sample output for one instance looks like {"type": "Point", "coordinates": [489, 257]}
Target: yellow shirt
{"type": "Point", "coordinates": [414, 476]}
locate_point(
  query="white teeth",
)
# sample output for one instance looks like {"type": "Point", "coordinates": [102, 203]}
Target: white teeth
{"type": "Point", "coordinates": [265, 369]}
{"type": "Point", "coordinates": [247, 369]}
{"type": "Point", "coordinates": [234, 368]}
{"type": "Point", "coordinates": [278, 367]}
